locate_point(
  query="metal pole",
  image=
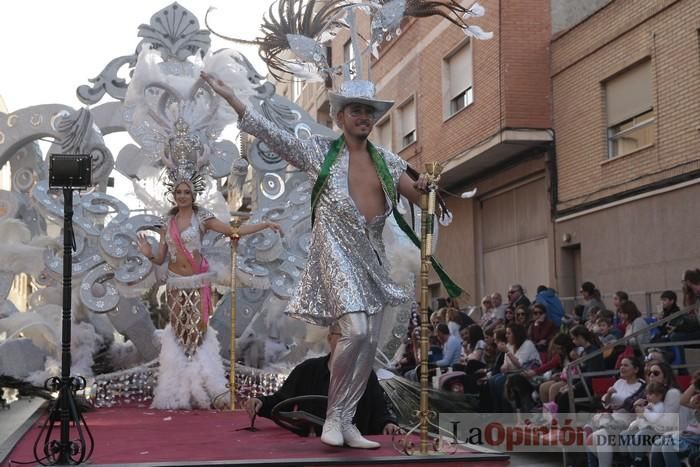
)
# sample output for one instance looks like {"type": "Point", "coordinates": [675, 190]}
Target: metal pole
{"type": "Point", "coordinates": [64, 393]}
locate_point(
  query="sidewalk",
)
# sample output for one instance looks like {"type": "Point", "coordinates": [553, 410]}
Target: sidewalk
{"type": "Point", "coordinates": [16, 420]}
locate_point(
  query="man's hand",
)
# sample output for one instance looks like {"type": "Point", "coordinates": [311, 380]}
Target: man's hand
{"type": "Point", "coordinates": [253, 406]}
{"type": "Point", "coordinates": [224, 91]}
{"type": "Point", "coordinates": [390, 429]}
{"type": "Point", "coordinates": [422, 183]}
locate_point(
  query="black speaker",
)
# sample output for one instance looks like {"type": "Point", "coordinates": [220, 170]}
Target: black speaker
{"type": "Point", "coordinates": [70, 171]}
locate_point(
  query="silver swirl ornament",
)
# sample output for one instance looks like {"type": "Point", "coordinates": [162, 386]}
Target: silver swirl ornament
{"type": "Point", "coordinates": [94, 207]}
{"type": "Point", "coordinates": [132, 270]}
{"type": "Point", "coordinates": [83, 259]}
{"type": "Point", "coordinates": [50, 202]}
{"type": "Point", "coordinates": [97, 290]}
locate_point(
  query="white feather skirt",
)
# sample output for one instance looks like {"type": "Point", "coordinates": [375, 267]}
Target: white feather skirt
{"type": "Point", "coordinates": [189, 383]}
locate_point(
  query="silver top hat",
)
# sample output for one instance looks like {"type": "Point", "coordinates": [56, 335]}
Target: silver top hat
{"type": "Point", "coordinates": [358, 91]}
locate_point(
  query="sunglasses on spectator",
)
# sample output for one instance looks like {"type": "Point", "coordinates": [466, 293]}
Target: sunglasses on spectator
{"type": "Point", "coordinates": [536, 312]}
{"type": "Point", "coordinates": [654, 373]}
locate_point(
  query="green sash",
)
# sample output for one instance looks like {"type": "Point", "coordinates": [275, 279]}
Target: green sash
{"type": "Point", "coordinates": [453, 290]}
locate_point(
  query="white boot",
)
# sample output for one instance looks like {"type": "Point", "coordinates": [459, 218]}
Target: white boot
{"type": "Point", "coordinates": [354, 438]}
{"type": "Point", "coordinates": [332, 434]}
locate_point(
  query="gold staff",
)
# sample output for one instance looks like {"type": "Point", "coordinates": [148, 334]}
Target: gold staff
{"type": "Point", "coordinates": [232, 344]}
{"type": "Point", "coordinates": [427, 202]}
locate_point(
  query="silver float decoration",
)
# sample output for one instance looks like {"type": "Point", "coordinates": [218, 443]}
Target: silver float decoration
{"type": "Point", "coordinates": [110, 273]}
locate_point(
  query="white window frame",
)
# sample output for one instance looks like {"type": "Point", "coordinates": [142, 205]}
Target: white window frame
{"type": "Point", "coordinates": [455, 101]}
{"type": "Point", "coordinates": [411, 136]}
{"type": "Point", "coordinates": [638, 122]}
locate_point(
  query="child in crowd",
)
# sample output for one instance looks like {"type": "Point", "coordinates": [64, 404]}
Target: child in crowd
{"type": "Point", "coordinates": [602, 329]}
{"type": "Point", "coordinates": [650, 409]}
{"type": "Point", "coordinates": [491, 350]}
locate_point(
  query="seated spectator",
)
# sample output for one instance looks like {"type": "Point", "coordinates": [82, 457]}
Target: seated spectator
{"type": "Point", "coordinates": [591, 299]}
{"type": "Point", "coordinates": [522, 316]}
{"type": "Point", "coordinates": [483, 376]}
{"type": "Point", "coordinates": [553, 306]}
{"type": "Point", "coordinates": [685, 327]}
{"type": "Point", "coordinates": [451, 349]}
{"type": "Point", "coordinates": [586, 343]}
{"type": "Point", "coordinates": [499, 308]}
{"type": "Point", "coordinates": [509, 314]}
{"type": "Point", "coordinates": [602, 330]}
{"type": "Point", "coordinates": [474, 343]}
{"type": "Point", "coordinates": [312, 377]}
{"type": "Point", "coordinates": [541, 329]}
{"type": "Point", "coordinates": [520, 387]}
{"type": "Point", "coordinates": [610, 316]}
{"type": "Point", "coordinates": [453, 320]}
{"type": "Point", "coordinates": [631, 318]}
{"type": "Point", "coordinates": [516, 296]}
{"type": "Point", "coordinates": [487, 309]}
{"type": "Point", "coordinates": [592, 318]}
{"type": "Point", "coordinates": [490, 351]}
{"type": "Point", "coordinates": [620, 399]}
{"type": "Point", "coordinates": [462, 317]}
{"type": "Point", "coordinates": [660, 414]}
{"type": "Point", "coordinates": [619, 298]}
{"type": "Point", "coordinates": [672, 449]}
{"type": "Point", "coordinates": [520, 355]}
{"type": "Point", "coordinates": [691, 288]}
{"type": "Point", "coordinates": [559, 351]}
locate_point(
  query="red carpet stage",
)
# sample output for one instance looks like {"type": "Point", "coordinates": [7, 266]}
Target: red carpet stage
{"type": "Point", "coordinates": [136, 435]}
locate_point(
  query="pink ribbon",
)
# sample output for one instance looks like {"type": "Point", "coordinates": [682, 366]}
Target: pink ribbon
{"type": "Point", "coordinates": [205, 290]}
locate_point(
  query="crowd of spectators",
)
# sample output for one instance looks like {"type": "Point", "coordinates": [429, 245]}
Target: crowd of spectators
{"type": "Point", "coordinates": [524, 356]}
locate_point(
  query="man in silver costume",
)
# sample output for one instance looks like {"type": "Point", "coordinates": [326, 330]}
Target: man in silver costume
{"type": "Point", "coordinates": [346, 277]}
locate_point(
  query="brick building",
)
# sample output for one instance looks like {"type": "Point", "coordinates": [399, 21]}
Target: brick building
{"type": "Point", "coordinates": [626, 109]}
{"type": "Point", "coordinates": [482, 109]}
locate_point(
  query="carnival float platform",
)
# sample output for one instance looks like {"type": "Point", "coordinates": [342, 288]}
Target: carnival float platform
{"type": "Point", "coordinates": [135, 435]}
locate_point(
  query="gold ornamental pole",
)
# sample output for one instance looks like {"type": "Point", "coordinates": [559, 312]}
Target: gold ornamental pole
{"type": "Point", "coordinates": [433, 171]}
{"type": "Point", "coordinates": [232, 343]}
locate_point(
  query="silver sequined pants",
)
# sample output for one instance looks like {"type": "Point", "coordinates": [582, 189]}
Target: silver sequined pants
{"type": "Point", "coordinates": [352, 363]}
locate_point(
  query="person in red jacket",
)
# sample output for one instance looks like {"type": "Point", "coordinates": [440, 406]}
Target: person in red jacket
{"type": "Point", "coordinates": [542, 329]}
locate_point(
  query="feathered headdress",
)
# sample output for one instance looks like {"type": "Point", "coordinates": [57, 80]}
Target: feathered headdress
{"type": "Point", "coordinates": [177, 119]}
{"type": "Point", "coordinates": [304, 26]}
{"type": "Point", "coordinates": [184, 157]}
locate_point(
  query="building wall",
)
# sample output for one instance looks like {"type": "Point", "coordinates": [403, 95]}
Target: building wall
{"type": "Point", "coordinates": [640, 246]}
{"type": "Point", "coordinates": [511, 90]}
{"type": "Point", "coordinates": [568, 13]}
{"type": "Point", "coordinates": [631, 221]}
{"type": "Point", "coordinates": [618, 36]}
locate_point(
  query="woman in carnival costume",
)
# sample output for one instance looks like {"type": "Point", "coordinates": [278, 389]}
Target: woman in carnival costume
{"type": "Point", "coordinates": [182, 130]}
{"type": "Point", "coordinates": [191, 372]}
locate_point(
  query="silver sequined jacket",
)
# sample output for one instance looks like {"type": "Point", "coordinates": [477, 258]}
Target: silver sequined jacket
{"type": "Point", "coordinates": [347, 267]}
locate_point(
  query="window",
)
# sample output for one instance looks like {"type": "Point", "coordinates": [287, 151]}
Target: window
{"type": "Point", "coordinates": [384, 137]}
{"type": "Point", "coordinates": [457, 79]}
{"type": "Point", "coordinates": [349, 58]}
{"type": "Point", "coordinates": [631, 114]}
{"type": "Point", "coordinates": [407, 122]}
